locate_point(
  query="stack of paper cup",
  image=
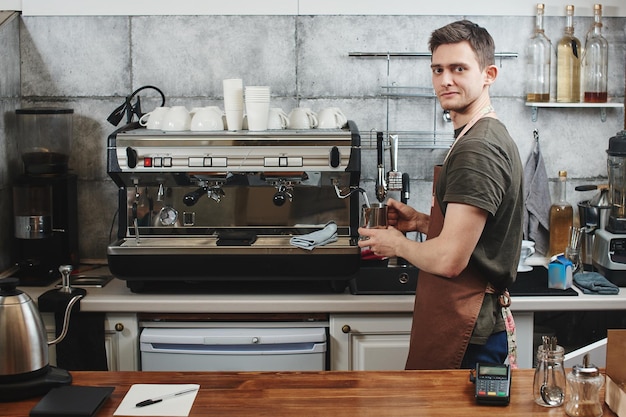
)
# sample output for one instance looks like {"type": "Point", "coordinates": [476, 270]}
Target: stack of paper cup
{"type": "Point", "coordinates": [257, 107]}
{"type": "Point", "coordinates": [233, 103]}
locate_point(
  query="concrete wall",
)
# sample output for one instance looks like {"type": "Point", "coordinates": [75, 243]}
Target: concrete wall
{"type": "Point", "coordinates": [90, 63]}
{"type": "Point", "coordinates": [9, 101]}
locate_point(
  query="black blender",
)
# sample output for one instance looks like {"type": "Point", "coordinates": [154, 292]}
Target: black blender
{"type": "Point", "coordinates": [609, 247]}
{"type": "Point", "coordinates": [45, 196]}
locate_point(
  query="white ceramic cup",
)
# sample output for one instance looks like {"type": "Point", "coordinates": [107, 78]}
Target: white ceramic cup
{"type": "Point", "coordinates": [207, 119]}
{"type": "Point", "coordinates": [528, 249]}
{"type": "Point", "coordinates": [331, 118]}
{"type": "Point", "coordinates": [302, 118]}
{"type": "Point", "coordinates": [153, 120]}
{"type": "Point", "coordinates": [176, 119]}
{"type": "Point", "coordinates": [277, 119]}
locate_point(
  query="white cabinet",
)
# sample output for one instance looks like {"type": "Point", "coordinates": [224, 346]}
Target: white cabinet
{"type": "Point", "coordinates": [360, 342]}
{"type": "Point", "coordinates": [121, 335]}
{"type": "Point", "coordinates": [121, 339]}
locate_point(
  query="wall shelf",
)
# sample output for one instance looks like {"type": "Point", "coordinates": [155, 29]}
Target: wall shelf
{"type": "Point", "coordinates": [553, 104]}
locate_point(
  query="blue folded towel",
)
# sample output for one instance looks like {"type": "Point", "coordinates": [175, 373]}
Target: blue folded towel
{"type": "Point", "coordinates": [594, 283]}
{"type": "Point", "coordinates": [318, 238]}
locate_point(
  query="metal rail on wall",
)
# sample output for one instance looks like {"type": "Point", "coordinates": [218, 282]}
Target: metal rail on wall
{"type": "Point", "coordinates": [432, 139]}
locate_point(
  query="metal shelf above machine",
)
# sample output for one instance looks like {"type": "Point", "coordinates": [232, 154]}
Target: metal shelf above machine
{"type": "Point", "coordinates": [432, 139]}
{"type": "Point", "coordinates": [407, 91]}
{"type": "Point", "coordinates": [390, 54]}
{"type": "Point", "coordinates": [412, 139]}
{"type": "Point", "coordinates": [553, 104]}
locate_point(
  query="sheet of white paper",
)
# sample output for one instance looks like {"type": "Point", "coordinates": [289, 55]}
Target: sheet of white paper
{"type": "Point", "coordinates": [175, 406]}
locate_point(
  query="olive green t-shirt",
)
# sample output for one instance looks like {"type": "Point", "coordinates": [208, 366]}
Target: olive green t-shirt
{"type": "Point", "coordinates": [484, 170]}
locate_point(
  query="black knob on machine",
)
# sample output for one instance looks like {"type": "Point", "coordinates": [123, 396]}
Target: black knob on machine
{"type": "Point", "coordinates": [131, 157]}
{"type": "Point", "coordinates": [335, 157]}
{"type": "Point", "coordinates": [192, 198]}
{"type": "Point", "coordinates": [279, 199]}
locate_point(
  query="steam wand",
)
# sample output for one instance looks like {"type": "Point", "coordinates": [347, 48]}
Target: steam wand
{"type": "Point", "coordinates": [381, 185]}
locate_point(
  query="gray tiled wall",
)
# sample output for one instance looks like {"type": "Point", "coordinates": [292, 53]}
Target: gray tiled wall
{"type": "Point", "coordinates": [91, 63]}
{"type": "Point", "coordinates": [9, 101]}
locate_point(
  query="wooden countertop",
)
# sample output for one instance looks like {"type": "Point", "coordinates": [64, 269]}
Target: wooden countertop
{"type": "Point", "coordinates": [399, 393]}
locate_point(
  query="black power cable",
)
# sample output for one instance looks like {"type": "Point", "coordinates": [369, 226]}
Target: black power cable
{"type": "Point", "coordinates": [129, 109]}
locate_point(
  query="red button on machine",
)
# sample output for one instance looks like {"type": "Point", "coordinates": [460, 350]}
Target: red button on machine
{"type": "Point", "coordinates": [147, 162]}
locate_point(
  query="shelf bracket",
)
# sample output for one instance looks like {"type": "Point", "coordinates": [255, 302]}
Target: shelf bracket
{"type": "Point", "coordinates": [534, 113]}
{"type": "Point", "coordinates": [603, 114]}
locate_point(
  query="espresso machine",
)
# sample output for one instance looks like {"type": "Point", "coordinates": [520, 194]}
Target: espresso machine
{"type": "Point", "coordinates": [609, 246]}
{"type": "Point", "coordinates": [44, 196]}
{"type": "Point", "coordinates": [209, 210]}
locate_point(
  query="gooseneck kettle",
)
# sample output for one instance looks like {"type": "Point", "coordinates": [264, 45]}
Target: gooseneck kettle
{"type": "Point", "coordinates": [24, 366]}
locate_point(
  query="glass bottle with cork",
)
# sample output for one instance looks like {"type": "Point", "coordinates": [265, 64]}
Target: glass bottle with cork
{"type": "Point", "coordinates": [568, 63]}
{"type": "Point", "coordinates": [538, 52]}
{"type": "Point", "coordinates": [595, 61]}
{"type": "Point", "coordinates": [561, 218]}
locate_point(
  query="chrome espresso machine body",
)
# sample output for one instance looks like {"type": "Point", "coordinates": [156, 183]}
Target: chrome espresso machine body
{"type": "Point", "coordinates": [203, 207]}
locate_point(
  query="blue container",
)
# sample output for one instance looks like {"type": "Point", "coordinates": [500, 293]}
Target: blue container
{"type": "Point", "coordinates": [560, 273]}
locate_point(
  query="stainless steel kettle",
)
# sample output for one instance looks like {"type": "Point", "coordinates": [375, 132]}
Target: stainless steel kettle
{"type": "Point", "coordinates": [23, 341]}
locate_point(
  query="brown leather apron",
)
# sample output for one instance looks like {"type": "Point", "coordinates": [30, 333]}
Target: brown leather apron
{"type": "Point", "coordinates": [445, 309]}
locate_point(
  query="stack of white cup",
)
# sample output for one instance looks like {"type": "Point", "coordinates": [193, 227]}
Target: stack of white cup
{"type": "Point", "coordinates": [257, 107]}
{"type": "Point", "coordinates": [233, 103]}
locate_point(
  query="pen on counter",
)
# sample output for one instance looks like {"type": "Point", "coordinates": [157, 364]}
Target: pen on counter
{"type": "Point", "coordinates": [155, 400]}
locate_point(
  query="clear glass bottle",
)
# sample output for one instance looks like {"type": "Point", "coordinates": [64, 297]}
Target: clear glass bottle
{"type": "Point", "coordinates": [568, 54]}
{"type": "Point", "coordinates": [595, 61]}
{"type": "Point", "coordinates": [584, 383]}
{"type": "Point", "coordinates": [549, 382]}
{"type": "Point", "coordinates": [561, 218]}
{"type": "Point", "coordinates": [538, 55]}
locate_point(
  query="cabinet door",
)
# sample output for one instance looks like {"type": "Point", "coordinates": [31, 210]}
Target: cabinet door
{"type": "Point", "coordinates": [121, 338]}
{"type": "Point", "coordinates": [369, 342]}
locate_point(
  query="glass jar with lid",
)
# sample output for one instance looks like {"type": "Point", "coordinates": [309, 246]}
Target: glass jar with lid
{"type": "Point", "coordinates": [584, 384]}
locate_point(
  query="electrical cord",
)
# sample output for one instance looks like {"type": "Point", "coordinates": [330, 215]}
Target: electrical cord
{"type": "Point", "coordinates": [129, 109]}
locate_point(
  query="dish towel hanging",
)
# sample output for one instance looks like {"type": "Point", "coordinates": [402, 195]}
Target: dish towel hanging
{"type": "Point", "coordinates": [537, 201]}
{"type": "Point", "coordinates": [318, 238]}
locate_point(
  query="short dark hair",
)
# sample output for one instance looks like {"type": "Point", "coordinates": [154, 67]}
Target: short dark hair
{"type": "Point", "coordinates": [463, 30]}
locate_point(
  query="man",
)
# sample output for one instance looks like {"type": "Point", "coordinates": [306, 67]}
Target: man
{"type": "Point", "coordinates": [474, 230]}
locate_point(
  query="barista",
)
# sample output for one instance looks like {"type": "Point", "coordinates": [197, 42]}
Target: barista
{"type": "Point", "coordinates": [474, 230]}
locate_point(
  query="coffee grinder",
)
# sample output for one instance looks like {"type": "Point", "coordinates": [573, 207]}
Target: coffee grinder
{"type": "Point", "coordinates": [609, 247]}
{"type": "Point", "coordinates": [45, 196]}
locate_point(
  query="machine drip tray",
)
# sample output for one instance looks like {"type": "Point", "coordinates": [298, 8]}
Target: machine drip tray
{"type": "Point", "coordinates": [534, 283]}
